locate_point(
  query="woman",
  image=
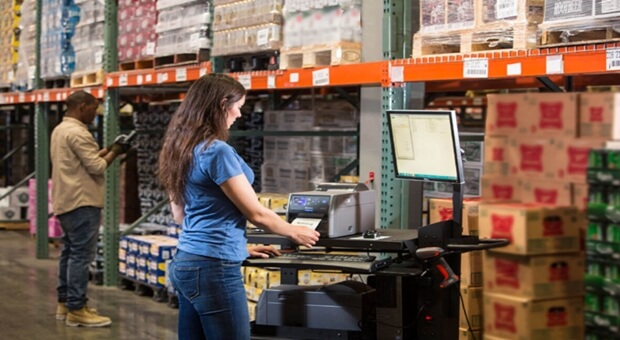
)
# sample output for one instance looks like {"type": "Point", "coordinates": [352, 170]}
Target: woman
{"type": "Point", "coordinates": [211, 192]}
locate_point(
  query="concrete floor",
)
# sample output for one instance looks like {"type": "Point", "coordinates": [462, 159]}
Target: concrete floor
{"type": "Point", "coordinates": [28, 300]}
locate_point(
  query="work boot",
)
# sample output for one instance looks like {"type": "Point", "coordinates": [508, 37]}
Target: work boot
{"type": "Point", "coordinates": [62, 310]}
{"type": "Point", "coordinates": [85, 318]}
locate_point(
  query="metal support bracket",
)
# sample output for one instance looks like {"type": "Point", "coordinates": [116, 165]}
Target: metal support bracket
{"type": "Point", "coordinates": [549, 85]}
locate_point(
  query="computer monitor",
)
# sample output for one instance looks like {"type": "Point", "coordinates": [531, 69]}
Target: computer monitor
{"type": "Point", "coordinates": [425, 145]}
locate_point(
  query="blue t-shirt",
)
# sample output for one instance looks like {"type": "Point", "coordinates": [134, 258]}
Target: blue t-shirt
{"type": "Point", "coordinates": [213, 226]}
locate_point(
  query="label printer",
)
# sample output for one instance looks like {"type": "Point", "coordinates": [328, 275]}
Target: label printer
{"type": "Point", "coordinates": [334, 209]}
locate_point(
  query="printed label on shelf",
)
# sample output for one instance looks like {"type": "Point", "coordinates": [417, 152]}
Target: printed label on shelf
{"type": "Point", "coordinates": [513, 69]}
{"type": "Point", "coordinates": [613, 59]}
{"type": "Point", "coordinates": [202, 72]}
{"type": "Point", "coordinates": [21, 98]}
{"type": "Point", "coordinates": [99, 93]}
{"type": "Point", "coordinates": [320, 77]}
{"type": "Point", "coordinates": [58, 96]}
{"type": "Point", "coordinates": [555, 64]}
{"type": "Point", "coordinates": [294, 78]}
{"type": "Point", "coordinates": [181, 74]}
{"type": "Point", "coordinates": [39, 97]}
{"type": "Point", "coordinates": [397, 74]}
{"type": "Point", "coordinates": [262, 37]}
{"type": "Point", "coordinates": [150, 48]}
{"type": "Point", "coordinates": [109, 81]}
{"type": "Point", "coordinates": [506, 9]}
{"type": "Point", "coordinates": [476, 68]}
{"type": "Point", "coordinates": [162, 77]}
{"type": "Point", "coordinates": [122, 79]}
{"type": "Point", "coordinates": [245, 80]}
{"type": "Point", "coordinates": [2, 100]}
{"type": "Point", "coordinates": [271, 81]}
{"type": "Point", "coordinates": [194, 40]}
{"type": "Point", "coordinates": [149, 78]}
{"type": "Point", "coordinates": [139, 79]}
{"type": "Point", "coordinates": [46, 96]}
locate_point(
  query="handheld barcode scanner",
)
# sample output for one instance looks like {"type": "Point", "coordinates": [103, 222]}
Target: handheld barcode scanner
{"type": "Point", "coordinates": [433, 257]}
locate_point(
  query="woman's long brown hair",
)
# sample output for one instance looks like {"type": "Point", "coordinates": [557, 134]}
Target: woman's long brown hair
{"type": "Point", "coordinates": [200, 117]}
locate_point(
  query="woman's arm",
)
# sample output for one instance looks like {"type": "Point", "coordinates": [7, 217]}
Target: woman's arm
{"type": "Point", "coordinates": [241, 193]}
{"type": "Point", "coordinates": [178, 213]}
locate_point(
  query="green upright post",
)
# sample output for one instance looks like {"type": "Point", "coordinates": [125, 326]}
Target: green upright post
{"type": "Point", "coordinates": [111, 129]}
{"type": "Point", "coordinates": [41, 149]}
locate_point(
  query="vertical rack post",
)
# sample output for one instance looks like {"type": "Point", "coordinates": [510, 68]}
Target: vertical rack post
{"type": "Point", "coordinates": [110, 130]}
{"type": "Point", "coordinates": [41, 148]}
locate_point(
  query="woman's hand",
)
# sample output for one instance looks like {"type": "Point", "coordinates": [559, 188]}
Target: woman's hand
{"type": "Point", "coordinates": [304, 236]}
{"type": "Point", "coordinates": [263, 251]}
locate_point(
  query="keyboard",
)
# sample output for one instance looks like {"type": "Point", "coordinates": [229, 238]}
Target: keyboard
{"type": "Point", "coordinates": [347, 263]}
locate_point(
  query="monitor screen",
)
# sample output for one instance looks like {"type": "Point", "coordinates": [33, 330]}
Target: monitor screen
{"type": "Point", "coordinates": [425, 145]}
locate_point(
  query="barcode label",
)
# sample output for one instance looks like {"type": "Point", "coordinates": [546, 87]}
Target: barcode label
{"type": "Point", "coordinates": [476, 68]}
{"type": "Point", "coordinates": [162, 77]}
{"type": "Point", "coordinates": [22, 97]}
{"type": "Point", "coordinates": [246, 81]}
{"type": "Point", "coordinates": [122, 79]}
{"type": "Point", "coordinates": [320, 77]}
{"type": "Point", "coordinates": [181, 74]}
{"type": "Point", "coordinates": [555, 64]}
{"type": "Point", "coordinates": [202, 71]}
{"type": "Point", "coordinates": [506, 9]}
{"type": "Point", "coordinates": [613, 59]}
{"type": "Point", "coordinates": [139, 79]}
{"type": "Point", "coordinates": [271, 81]}
{"type": "Point", "coordinates": [262, 37]}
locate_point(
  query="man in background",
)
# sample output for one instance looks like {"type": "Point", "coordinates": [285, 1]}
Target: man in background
{"type": "Point", "coordinates": [78, 167]}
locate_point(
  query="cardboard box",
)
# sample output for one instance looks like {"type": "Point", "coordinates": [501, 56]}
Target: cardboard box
{"type": "Point", "coordinates": [465, 334]}
{"type": "Point", "coordinates": [499, 189]}
{"type": "Point", "coordinates": [557, 193]}
{"type": "Point", "coordinates": [537, 277]}
{"type": "Point", "coordinates": [511, 317]}
{"type": "Point", "coordinates": [507, 114]}
{"type": "Point", "coordinates": [579, 195]}
{"type": "Point", "coordinates": [472, 299]}
{"type": "Point", "coordinates": [441, 210]}
{"type": "Point", "coordinates": [471, 269]}
{"type": "Point", "coordinates": [531, 229]}
{"type": "Point", "coordinates": [533, 157]}
{"type": "Point", "coordinates": [599, 115]}
{"type": "Point", "coordinates": [496, 156]}
{"type": "Point", "coordinates": [571, 157]}
{"type": "Point", "coordinates": [553, 114]}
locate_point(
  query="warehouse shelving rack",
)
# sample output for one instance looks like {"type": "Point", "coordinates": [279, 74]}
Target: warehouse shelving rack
{"type": "Point", "coordinates": [400, 82]}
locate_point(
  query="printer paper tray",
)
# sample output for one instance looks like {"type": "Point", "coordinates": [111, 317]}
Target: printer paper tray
{"type": "Point", "coordinates": [349, 267]}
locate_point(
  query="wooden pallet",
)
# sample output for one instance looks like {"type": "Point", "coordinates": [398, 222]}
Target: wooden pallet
{"type": "Point", "coordinates": [485, 38]}
{"type": "Point", "coordinates": [56, 82]}
{"type": "Point", "coordinates": [136, 65]}
{"type": "Point", "coordinates": [577, 34]}
{"type": "Point", "coordinates": [321, 55]}
{"type": "Point", "coordinates": [14, 225]}
{"type": "Point", "coordinates": [182, 59]}
{"type": "Point", "coordinates": [85, 79]}
{"type": "Point", "coordinates": [247, 62]}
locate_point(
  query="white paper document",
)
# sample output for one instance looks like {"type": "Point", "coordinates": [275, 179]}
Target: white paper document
{"type": "Point", "coordinates": [311, 223]}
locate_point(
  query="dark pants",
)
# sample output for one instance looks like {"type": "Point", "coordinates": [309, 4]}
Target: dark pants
{"type": "Point", "coordinates": [212, 302]}
{"type": "Point", "coordinates": [80, 230]}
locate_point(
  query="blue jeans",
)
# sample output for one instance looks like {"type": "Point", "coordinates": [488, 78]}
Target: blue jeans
{"type": "Point", "coordinates": [80, 230]}
{"type": "Point", "coordinates": [212, 302]}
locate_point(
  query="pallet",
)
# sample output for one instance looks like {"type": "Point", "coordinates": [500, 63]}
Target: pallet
{"type": "Point", "coordinates": [136, 65]}
{"type": "Point", "coordinates": [86, 79]}
{"type": "Point", "coordinates": [342, 53]}
{"type": "Point", "coordinates": [485, 38]}
{"type": "Point", "coordinates": [158, 294]}
{"type": "Point", "coordinates": [182, 59]}
{"type": "Point", "coordinates": [247, 62]}
{"type": "Point", "coordinates": [567, 35]}
{"type": "Point", "coordinates": [15, 225]}
{"type": "Point", "coordinates": [56, 83]}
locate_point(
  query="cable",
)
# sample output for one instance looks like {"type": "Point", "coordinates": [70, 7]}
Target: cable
{"type": "Point", "coordinates": [471, 331]}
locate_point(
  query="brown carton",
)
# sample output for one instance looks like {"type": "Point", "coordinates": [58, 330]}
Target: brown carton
{"type": "Point", "coordinates": [533, 157]}
{"type": "Point", "coordinates": [599, 115]}
{"type": "Point", "coordinates": [496, 156]}
{"type": "Point", "coordinates": [471, 269]}
{"type": "Point", "coordinates": [537, 277]}
{"type": "Point", "coordinates": [553, 114]}
{"type": "Point", "coordinates": [441, 210]}
{"type": "Point", "coordinates": [579, 194]}
{"type": "Point", "coordinates": [550, 192]}
{"type": "Point", "coordinates": [465, 334]}
{"type": "Point", "coordinates": [510, 317]}
{"type": "Point", "coordinates": [531, 229]}
{"type": "Point", "coordinates": [472, 301]}
{"type": "Point", "coordinates": [507, 114]}
{"type": "Point", "coordinates": [571, 157]}
{"type": "Point", "coordinates": [499, 189]}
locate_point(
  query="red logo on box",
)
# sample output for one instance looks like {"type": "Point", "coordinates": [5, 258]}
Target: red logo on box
{"type": "Point", "coordinates": [558, 271]}
{"type": "Point", "coordinates": [507, 115]}
{"type": "Point", "coordinates": [531, 157]}
{"type": "Point", "coordinates": [504, 192]}
{"type": "Point", "coordinates": [557, 316]}
{"type": "Point", "coordinates": [547, 196]}
{"type": "Point", "coordinates": [551, 115]}
{"type": "Point", "coordinates": [596, 114]}
{"type": "Point", "coordinates": [577, 160]}
{"type": "Point", "coordinates": [505, 318]}
{"type": "Point", "coordinates": [506, 273]}
{"type": "Point", "coordinates": [501, 226]}
{"type": "Point", "coordinates": [553, 226]}
{"type": "Point", "coordinates": [498, 154]}
{"type": "Point", "coordinates": [445, 213]}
